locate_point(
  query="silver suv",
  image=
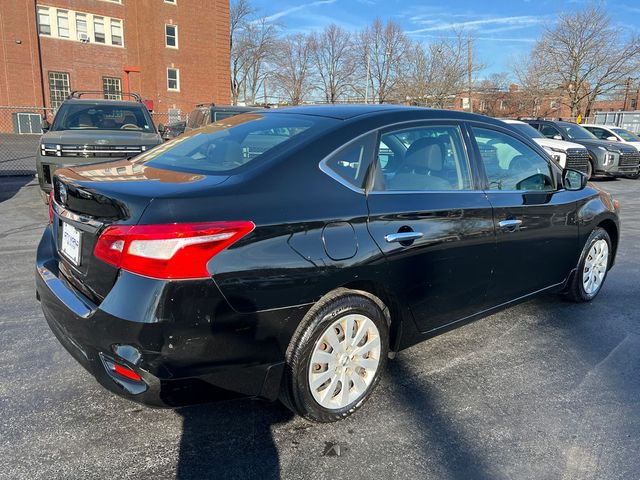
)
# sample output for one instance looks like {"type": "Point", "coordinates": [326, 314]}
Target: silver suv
{"type": "Point", "coordinates": [86, 131]}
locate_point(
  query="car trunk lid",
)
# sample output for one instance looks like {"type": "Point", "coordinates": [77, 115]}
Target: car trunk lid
{"type": "Point", "coordinates": [90, 198]}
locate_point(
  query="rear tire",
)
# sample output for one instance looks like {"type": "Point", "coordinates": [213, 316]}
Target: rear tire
{"type": "Point", "coordinates": [335, 357]}
{"type": "Point", "coordinates": [592, 269]}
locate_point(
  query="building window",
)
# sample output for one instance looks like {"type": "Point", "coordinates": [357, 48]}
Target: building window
{"type": "Point", "coordinates": [98, 29]}
{"type": "Point", "coordinates": [59, 88]}
{"type": "Point", "coordinates": [171, 36]}
{"type": "Point", "coordinates": [112, 88]}
{"type": "Point", "coordinates": [634, 103]}
{"type": "Point", "coordinates": [81, 27]}
{"type": "Point", "coordinates": [170, 1]}
{"type": "Point", "coordinates": [63, 24]}
{"type": "Point", "coordinates": [116, 32]}
{"type": "Point", "coordinates": [503, 105]}
{"type": "Point", "coordinates": [44, 21]}
{"type": "Point", "coordinates": [173, 79]}
{"type": "Point", "coordinates": [554, 104]}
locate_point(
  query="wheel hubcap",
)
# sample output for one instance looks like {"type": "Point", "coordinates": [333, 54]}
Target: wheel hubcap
{"type": "Point", "coordinates": [595, 267]}
{"type": "Point", "coordinates": [344, 362]}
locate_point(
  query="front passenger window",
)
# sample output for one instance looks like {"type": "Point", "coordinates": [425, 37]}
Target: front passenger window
{"type": "Point", "coordinates": [510, 164]}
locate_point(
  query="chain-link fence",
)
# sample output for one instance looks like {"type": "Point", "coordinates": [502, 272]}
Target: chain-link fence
{"type": "Point", "coordinates": [20, 131]}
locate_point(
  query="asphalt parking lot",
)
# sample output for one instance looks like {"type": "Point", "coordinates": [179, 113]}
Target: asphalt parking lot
{"type": "Point", "coordinates": [546, 390]}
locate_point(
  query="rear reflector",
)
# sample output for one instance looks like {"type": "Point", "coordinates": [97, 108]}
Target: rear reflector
{"type": "Point", "coordinates": [126, 372]}
{"type": "Point", "coordinates": [170, 251]}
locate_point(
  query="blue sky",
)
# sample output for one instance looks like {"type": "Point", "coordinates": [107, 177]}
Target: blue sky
{"type": "Point", "coordinates": [504, 29]}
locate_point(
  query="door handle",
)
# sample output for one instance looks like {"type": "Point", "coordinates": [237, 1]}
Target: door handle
{"type": "Point", "coordinates": [510, 224]}
{"type": "Point", "coordinates": [403, 237]}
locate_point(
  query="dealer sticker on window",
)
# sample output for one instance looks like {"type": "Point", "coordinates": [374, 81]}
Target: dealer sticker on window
{"type": "Point", "coordinates": [71, 243]}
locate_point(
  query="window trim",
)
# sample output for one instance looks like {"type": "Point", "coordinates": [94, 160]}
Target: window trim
{"type": "Point", "coordinates": [44, 11]}
{"type": "Point", "coordinates": [105, 92]}
{"type": "Point", "coordinates": [177, 70]}
{"type": "Point", "coordinates": [554, 169]}
{"type": "Point", "coordinates": [175, 36]}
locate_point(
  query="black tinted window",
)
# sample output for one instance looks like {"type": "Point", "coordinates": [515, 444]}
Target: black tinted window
{"type": "Point", "coordinates": [510, 164]}
{"type": "Point", "coordinates": [224, 147]}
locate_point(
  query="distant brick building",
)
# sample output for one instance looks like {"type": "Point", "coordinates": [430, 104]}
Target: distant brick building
{"type": "Point", "coordinates": [175, 53]}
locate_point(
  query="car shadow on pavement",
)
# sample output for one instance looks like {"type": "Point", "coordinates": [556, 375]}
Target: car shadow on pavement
{"type": "Point", "coordinates": [230, 440]}
{"type": "Point", "coordinates": [9, 186]}
{"type": "Point", "coordinates": [441, 437]}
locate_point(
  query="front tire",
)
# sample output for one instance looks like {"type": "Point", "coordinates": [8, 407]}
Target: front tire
{"type": "Point", "coordinates": [336, 356]}
{"type": "Point", "coordinates": [592, 267]}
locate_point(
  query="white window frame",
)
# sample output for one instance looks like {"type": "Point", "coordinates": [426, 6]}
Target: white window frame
{"type": "Point", "coordinates": [119, 23]}
{"type": "Point", "coordinates": [97, 19]}
{"type": "Point", "coordinates": [172, 2]}
{"type": "Point", "coordinates": [59, 98]}
{"type": "Point", "coordinates": [80, 16]}
{"type": "Point", "coordinates": [114, 94]}
{"type": "Point", "coordinates": [177, 79]}
{"type": "Point", "coordinates": [62, 15]}
{"type": "Point", "coordinates": [167, 36]}
{"type": "Point", "coordinates": [44, 12]}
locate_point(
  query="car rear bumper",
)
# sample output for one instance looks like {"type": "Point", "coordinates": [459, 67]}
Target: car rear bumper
{"type": "Point", "coordinates": [220, 355]}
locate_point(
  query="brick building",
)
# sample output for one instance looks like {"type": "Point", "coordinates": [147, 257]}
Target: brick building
{"type": "Point", "coordinates": [175, 53]}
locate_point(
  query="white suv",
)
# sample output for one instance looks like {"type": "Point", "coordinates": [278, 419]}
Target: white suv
{"type": "Point", "coordinates": [614, 134]}
{"type": "Point", "coordinates": [567, 154]}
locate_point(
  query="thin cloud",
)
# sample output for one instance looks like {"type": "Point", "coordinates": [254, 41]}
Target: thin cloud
{"type": "Point", "coordinates": [518, 21]}
{"type": "Point", "coordinates": [290, 10]}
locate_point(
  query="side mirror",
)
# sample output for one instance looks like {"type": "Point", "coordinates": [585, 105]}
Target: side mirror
{"type": "Point", "coordinates": [612, 138]}
{"type": "Point", "coordinates": [573, 180]}
{"type": "Point", "coordinates": [45, 124]}
{"type": "Point", "coordinates": [162, 128]}
{"type": "Point", "coordinates": [557, 137]}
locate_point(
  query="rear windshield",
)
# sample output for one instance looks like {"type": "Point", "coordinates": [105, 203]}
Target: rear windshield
{"type": "Point", "coordinates": [230, 144]}
{"type": "Point", "coordinates": [103, 117]}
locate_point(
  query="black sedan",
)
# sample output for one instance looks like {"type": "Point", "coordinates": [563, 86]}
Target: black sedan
{"type": "Point", "coordinates": [288, 253]}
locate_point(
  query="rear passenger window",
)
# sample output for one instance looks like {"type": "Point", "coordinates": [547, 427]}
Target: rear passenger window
{"type": "Point", "coordinates": [422, 159]}
{"type": "Point", "coordinates": [351, 163]}
{"type": "Point", "coordinates": [510, 164]}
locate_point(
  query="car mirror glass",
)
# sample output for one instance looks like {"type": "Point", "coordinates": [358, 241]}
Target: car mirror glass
{"type": "Point", "coordinates": [573, 180]}
{"type": "Point", "coordinates": [162, 128]}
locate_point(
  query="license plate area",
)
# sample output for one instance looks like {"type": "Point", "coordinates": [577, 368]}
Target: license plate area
{"type": "Point", "coordinates": [71, 243]}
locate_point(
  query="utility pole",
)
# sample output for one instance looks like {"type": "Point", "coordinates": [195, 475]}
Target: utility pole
{"type": "Point", "coordinates": [469, 65]}
{"type": "Point", "coordinates": [626, 94]}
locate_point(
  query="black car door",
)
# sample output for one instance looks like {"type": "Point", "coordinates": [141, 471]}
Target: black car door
{"type": "Point", "coordinates": [433, 225]}
{"type": "Point", "coordinates": [535, 221]}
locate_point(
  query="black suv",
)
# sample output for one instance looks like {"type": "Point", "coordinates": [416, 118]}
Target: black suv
{"type": "Point", "coordinates": [610, 159]}
{"type": "Point", "coordinates": [94, 130]}
{"type": "Point", "coordinates": [206, 113]}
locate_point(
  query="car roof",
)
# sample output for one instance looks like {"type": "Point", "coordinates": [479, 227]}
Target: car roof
{"type": "Point", "coordinates": [100, 101]}
{"type": "Point", "coordinates": [606, 127]}
{"type": "Point", "coordinates": [347, 112]}
{"type": "Point", "coordinates": [227, 108]}
{"type": "Point", "coordinates": [512, 121]}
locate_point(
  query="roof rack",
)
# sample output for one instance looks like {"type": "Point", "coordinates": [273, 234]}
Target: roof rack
{"type": "Point", "coordinates": [80, 93]}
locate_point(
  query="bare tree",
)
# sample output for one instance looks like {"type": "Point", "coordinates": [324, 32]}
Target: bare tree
{"type": "Point", "coordinates": [382, 53]}
{"type": "Point", "coordinates": [292, 67]}
{"type": "Point", "coordinates": [587, 56]}
{"type": "Point", "coordinates": [333, 61]}
{"type": "Point", "coordinates": [252, 44]}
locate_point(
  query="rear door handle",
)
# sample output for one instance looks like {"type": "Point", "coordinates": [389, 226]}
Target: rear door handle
{"type": "Point", "coordinates": [403, 237]}
{"type": "Point", "coordinates": [510, 224]}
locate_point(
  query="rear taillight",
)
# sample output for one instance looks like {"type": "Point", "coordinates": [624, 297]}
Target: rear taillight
{"type": "Point", "coordinates": [173, 251]}
{"type": "Point", "coordinates": [51, 206]}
